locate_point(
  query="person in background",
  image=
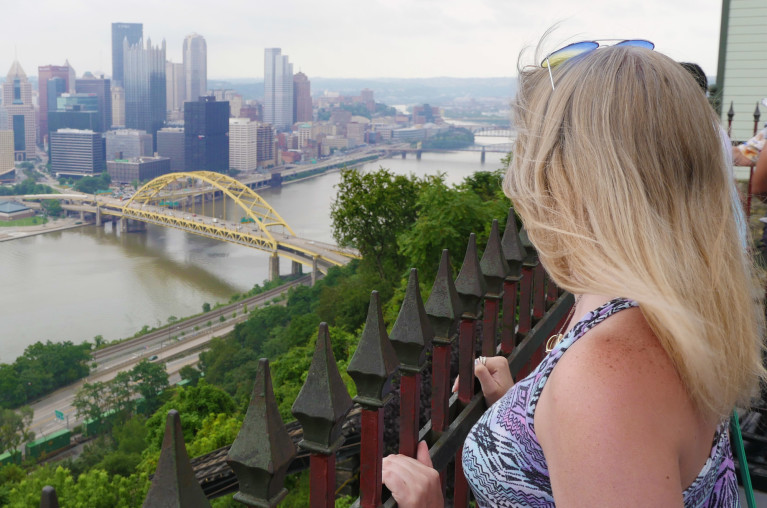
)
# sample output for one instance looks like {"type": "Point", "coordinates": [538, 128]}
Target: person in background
{"type": "Point", "coordinates": [630, 406]}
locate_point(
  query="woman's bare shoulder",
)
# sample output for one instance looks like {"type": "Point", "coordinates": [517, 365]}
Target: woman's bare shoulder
{"type": "Point", "coordinates": [612, 415]}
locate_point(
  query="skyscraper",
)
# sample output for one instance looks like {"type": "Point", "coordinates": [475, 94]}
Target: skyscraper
{"type": "Point", "coordinates": [206, 135]}
{"type": "Point", "coordinates": [134, 32]}
{"type": "Point", "coordinates": [17, 101]}
{"type": "Point", "coordinates": [195, 67]}
{"type": "Point", "coordinates": [243, 153]}
{"type": "Point", "coordinates": [46, 97]}
{"type": "Point", "coordinates": [278, 89]}
{"type": "Point", "coordinates": [144, 83]}
{"type": "Point", "coordinates": [302, 98]}
{"type": "Point", "coordinates": [102, 89]}
{"type": "Point", "coordinates": [77, 152]}
{"type": "Point", "coordinates": [176, 90]}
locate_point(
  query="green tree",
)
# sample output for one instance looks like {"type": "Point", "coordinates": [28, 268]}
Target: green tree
{"type": "Point", "coordinates": [206, 307]}
{"type": "Point", "coordinates": [446, 217]}
{"type": "Point", "coordinates": [149, 379]}
{"type": "Point", "coordinates": [14, 428]}
{"type": "Point", "coordinates": [371, 209]}
{"type": "Point", "coordinates": [52, 207]}
{"type": "Point", "coordinates": [92, 401]}
{"type": "Point", "coordinates": [190, 373]}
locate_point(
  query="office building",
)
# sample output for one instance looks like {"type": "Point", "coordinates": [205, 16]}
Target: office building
{"type": "Point", "coordinates": [175, 85]}
{"type": "Point", "coordinates": [170, 144]}
{"type": "Point", "coordinates": [128, 144]}
{"type": "Point", "coordinates": [17, 102]}
{"type": "Point", "coordinates": [278, 89]}
{"type": "Point", "coordinates": [243, 153]}
{"type": "Point", "coordinates": [232, 97]}
{"type": "Point", "coordinates": [206, 135]}
{"type": "Point", "coordinates": [52, 81]}
{"type": "Point", "coordinates": [265, 150]}
{"type": "Point", "coordinates": [133, 33]}
{"type": "Point", "coordinates": [118, 106]}
{"type": "Point", "coordinates": [74, 118]}
{"type": "Point", "coordinates": [101, 88]}
{"type": "Point", "coordinates": [195, 67]}
{"type": "Point", "coordinates": [302, 98]}
{"type": "Point", "coordinates": [77, 153]}
{"type": "Point", "coordinates": [6, 152]}
{"type": "Point", "coordinates": [144, 83]}
{"type": "Point", "coordinates": [140, 169]}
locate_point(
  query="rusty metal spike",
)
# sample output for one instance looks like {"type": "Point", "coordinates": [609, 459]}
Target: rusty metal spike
{"type": "Point", "coordinates": [470, 282]}
{"type": "Point", "coordinates": [731, 112]}
{"type": "Point", "coordinates": [263, 450]}
{"type": "Point", "coordinates": [323, 402]}
{"type": "Point", "coordinates": [513, 250]}
{"type": "Point", "coordinates": [374, 362]}
{"type": "Point", "coordinates": [531, 256]}
{"type": "Point", "coordinates": [493, 264]}
{"type": "Point", "coordinates": [174, 484]}
{"type": "Point", "coordinates": [412, 334]}
{"type": "Point", "coordinates": [757, 112]}
{"type": "Point", "coordinates": [444, 305]}
{"type": "Point", "coordinates": [49, 498]}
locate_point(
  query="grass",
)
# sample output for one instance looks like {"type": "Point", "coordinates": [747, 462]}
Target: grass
{"type": "Point", "coordinates": [27, 221]}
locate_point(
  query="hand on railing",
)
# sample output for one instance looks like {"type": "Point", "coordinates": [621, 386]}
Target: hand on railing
{"type": "Point", "coordinates": [413, 483]}
{"type": "Point", "coordinates": [494, 377]}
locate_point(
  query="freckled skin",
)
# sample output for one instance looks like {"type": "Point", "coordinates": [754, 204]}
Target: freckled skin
{"type": "Point", "coordinates": [617, 390]}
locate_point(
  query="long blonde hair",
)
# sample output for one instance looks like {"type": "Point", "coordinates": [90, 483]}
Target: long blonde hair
{"type": "Point", "coordinates": [621, 182]}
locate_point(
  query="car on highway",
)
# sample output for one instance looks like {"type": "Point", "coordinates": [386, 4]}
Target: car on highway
{"type": "Point", "coordinates": [153, 358]}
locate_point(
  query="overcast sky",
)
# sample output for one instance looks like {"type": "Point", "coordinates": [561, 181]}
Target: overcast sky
{"type": "Point", "coordinates": [352, 38]}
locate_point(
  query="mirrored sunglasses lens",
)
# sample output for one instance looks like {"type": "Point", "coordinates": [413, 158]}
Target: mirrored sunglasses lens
{"type": "Point", "coordinates": [568, 52]}
{"type": "Point", "coordinates": [641, 43]}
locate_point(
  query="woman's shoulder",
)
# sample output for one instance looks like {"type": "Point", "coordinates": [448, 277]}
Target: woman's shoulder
{"type": "Point", "coordinates": [615, 409]}
{"type": "Point", "coordinates": [619, 362]}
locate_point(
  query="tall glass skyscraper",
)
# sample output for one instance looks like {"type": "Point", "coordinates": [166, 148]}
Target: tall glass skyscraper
{"type": "Point", "coordinates": [278, 89]}
{"type": "Point", "coordinates": [206, 135]}
{"type": "Point", "coordinates": [145, 90]}
{"type": "Point", "coordinates": [195, 67]}
{"type": "Point", "coordinates": [134, 32]}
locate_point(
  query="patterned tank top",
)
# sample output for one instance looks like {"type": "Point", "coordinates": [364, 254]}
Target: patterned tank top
{"type": "Point", "coordinates": [504, 463]}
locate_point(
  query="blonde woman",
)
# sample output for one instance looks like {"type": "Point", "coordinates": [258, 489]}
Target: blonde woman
{"type": "Point", "coordinates": [620, 179]}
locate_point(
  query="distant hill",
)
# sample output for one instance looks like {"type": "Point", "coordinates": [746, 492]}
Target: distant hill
{"type": "Point", "coordinates": [391, 91]}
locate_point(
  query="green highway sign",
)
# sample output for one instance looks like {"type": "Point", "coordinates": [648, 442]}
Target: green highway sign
{"type": "Point", "coordinates": [59, 414]}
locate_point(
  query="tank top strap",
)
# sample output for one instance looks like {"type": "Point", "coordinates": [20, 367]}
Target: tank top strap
{"type": "Point", "coordinates": [586, 323]}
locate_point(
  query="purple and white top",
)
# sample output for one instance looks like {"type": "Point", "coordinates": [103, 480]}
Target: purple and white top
{"type": "Point", "coordinates": [504, 463]}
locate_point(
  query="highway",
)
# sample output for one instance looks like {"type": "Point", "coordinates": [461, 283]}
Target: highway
{"type": "Point", "coordinates": [177, 345]}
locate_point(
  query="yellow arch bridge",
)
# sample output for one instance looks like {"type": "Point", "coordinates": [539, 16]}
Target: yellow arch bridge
{"type": "Point", "coordinates": [214, 206]}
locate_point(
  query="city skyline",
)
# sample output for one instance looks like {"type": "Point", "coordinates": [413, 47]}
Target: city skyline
{"type": "Point", "coordinates": [344, 39]}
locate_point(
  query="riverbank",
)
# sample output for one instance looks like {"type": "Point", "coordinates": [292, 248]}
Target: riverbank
{"type": "Point", "coordinates": [14, 233]}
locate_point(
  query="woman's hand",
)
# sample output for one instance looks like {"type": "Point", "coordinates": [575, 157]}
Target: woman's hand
{"type": "Point", "coordinates": [413, 483]}
{"type": "Point", "coordinates": [494, 376]}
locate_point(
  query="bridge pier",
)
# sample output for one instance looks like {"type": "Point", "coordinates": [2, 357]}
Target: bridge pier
{"type": "Point", "coordinates": [314, 270]}
{"type": "Point", "coordinates": [296, 268]}
{"type": "Point", "coordinates": [82, 214]}
{"type": "Point", "coordinates": [274, 266]}
{"type": "Point", "coordinates": [404, 154]}
{"type": "Point", "coordinates": [98, 216]}
{"type": "Point", "coordinates": [483, 155]}
{"type": "Point", "coordinates": [418, 155]}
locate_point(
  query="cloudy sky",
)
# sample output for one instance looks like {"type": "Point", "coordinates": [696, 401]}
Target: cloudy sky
{"type": "Point", "coordinates": [352, 38]}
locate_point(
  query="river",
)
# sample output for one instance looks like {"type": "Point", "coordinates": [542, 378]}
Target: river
{"type": "Point", "coordinates": [79, 283]}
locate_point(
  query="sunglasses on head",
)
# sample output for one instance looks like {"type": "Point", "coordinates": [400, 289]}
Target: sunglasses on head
{"type": "Point", "coordinates": [581, 48]}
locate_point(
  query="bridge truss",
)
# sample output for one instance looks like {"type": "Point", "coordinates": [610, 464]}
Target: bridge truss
{"type": "Point", "coordinates": [187, 191]}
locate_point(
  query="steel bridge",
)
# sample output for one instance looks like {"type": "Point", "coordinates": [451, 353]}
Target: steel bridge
{"type": "Point", "coordinates": [188, 201]}
{"type": "Point", "coordinates": [493, 131]}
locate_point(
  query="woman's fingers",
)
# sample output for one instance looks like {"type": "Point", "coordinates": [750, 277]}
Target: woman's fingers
{"type": "Point", "coordinates": [413, 482]}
